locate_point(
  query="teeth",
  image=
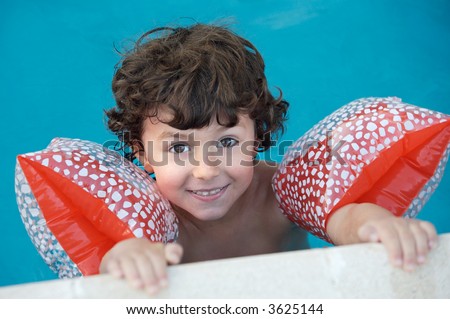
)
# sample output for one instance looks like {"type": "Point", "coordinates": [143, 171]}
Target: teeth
{"type": "Point", "coordinates": [210, 193]}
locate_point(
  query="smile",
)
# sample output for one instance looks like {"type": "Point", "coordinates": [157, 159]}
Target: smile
{"type": "Point", "coordinates": [210, 194]}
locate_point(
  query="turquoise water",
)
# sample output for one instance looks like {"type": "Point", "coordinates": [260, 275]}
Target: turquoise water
{"type": "Point", "coordinates": [58, 59]}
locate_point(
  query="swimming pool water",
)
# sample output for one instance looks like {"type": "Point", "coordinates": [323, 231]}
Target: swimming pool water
{"type": "Point", "coordinates": [58, 60]}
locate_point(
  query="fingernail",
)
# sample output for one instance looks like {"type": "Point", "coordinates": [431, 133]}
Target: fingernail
{"type": "Point", "coordinates": [174, 256]}
{"type": "Point", "coordinates": [420, 259]}
{"type": "Point", "coordinates": [137, 283]}
{"type": "Point", "coordinates": [410, 267]}
{"type": "Point", "coordinates": [163, 282]}
{"type": "Point", "coordinates": [116, 273]}
{"type": "Point", "coordinates": [398, 262]}
{"type": "Point", "coordinates": [373, 237]}
{"type": "Point", "coordinates": [151, 289]}
{"type": "Point", "coordinates": [431, 244]}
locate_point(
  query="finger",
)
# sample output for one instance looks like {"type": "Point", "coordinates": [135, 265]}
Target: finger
{"type": "Point", "coordinates": [147, 274]}
{"type": "Point", "coordinates": [368, 233]}
{"type": "Point", "coordinates": [408, 245]}
{"type": "Point", "coordinates": [173, 253]}
{"type": "Point", "coordinates": [431, 233]}
{"type": "Point", "coordinates": [113, 268]}
{"type": "Point", "coordinates": [389, 237]}
{"type": "Point", "coordinates": [131, 272]}
{"type": "Point", "coordinates": [422, 242]}
{"type": "Point", "coordinates": [159, 267]}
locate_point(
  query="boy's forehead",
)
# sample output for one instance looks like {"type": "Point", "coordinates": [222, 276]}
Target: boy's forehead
{"type": "Point", "coordinates": [157, 126]}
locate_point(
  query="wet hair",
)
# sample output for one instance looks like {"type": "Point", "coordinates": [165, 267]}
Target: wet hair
{"type": "Point", "coordinates": [198, 73]}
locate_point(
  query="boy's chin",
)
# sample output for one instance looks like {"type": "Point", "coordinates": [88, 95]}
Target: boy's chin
{"type": "Point", "coordinates": [207, 215]}
{"type": "Point", "coordinates": [210, 216]}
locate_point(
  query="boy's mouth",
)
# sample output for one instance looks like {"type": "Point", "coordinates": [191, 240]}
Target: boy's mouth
{"type": "Point", "coordinates": [210, 194]}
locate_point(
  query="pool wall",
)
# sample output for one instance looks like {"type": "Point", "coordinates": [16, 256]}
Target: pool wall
{"type": "Point", "coordinates": [354, 271]}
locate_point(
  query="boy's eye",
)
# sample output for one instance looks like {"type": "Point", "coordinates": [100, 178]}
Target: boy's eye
{"type": "Point", "coordinates": [179, 148]}
{"type": "Point", "coordinates": [227, 142]}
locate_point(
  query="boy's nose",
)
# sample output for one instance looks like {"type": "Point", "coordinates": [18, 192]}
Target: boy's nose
{"type": "Point", "coordinates": [205, 170]}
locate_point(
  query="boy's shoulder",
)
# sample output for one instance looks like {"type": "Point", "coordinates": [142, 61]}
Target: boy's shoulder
{"type": "Point", "coordinates": [262, 183]}
{"type": "Point", "coordinates": [290, 236]}
{"type": "Point", "coordinates": [265, 169]}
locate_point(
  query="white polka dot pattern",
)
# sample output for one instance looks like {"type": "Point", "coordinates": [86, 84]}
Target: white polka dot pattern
{"type": "Point", "coordinates": [126, 190]}
{"type": "Point", "coordinates": [320, 167]}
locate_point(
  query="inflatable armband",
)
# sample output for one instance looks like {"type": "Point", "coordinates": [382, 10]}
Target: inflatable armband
{"type": "Point", "coordinates": [375, 150]}
{"type": "Point", "coordinates": [77, 199]}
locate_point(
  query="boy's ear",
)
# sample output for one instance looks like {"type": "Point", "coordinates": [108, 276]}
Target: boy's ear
{"type": "Point", "coordinates": [148, 168]}
{"type": "Point", "coordinates": [258, 146]}
{"type": "Point", "coordinates": [141, 157]}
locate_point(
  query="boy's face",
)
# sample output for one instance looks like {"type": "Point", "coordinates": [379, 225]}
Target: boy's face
{"type": "Point", "coordinates": [200, 171]}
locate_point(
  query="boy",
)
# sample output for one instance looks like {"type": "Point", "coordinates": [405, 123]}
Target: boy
{"type": "Point", "coordinates": [196, 106]}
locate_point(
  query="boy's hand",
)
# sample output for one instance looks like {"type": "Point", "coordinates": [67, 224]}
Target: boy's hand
{"type": "Point", "coordinates": [141, 262]}
{"type": "Point", "coordinates": [407, 241]}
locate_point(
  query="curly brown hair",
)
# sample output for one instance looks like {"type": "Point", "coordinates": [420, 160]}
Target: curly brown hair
{"type": "Point", "coordinates": [199, 73]}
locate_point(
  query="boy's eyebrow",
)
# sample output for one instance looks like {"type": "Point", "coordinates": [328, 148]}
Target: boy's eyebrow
{"type": "Point", "coordinates": [180, 135]}
{"type": "Point", "coordinates": [167, 134]}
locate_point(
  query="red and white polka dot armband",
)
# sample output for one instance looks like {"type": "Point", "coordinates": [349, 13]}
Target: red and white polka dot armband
{"type": "Point", "coordinates": [376, 150]}
{"type": "Point", "coordinates": [77, 199]}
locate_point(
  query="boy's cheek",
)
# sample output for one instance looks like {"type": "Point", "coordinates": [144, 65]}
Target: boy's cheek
{"type": "Point", "coordinates": [242, 156]}
{"type": "Point", "coordinates": [168, 180]}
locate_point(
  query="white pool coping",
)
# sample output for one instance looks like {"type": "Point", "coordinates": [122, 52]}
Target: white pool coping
{"type": "Point", "coordinates": [355, 271]}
